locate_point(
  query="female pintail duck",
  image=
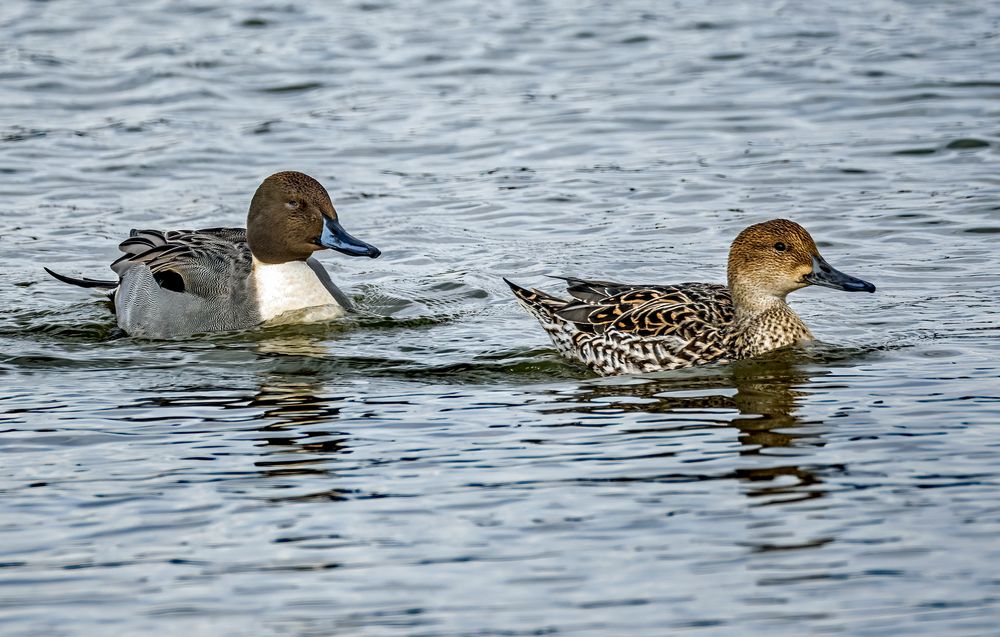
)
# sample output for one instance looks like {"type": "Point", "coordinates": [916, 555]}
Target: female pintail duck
{"type": "Point", "coordinates": [633, 329]}
{"type": "Point", "coordinates": [180, 282]}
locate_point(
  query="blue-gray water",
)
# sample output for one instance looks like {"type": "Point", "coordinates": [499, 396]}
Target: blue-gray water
{"type": "Point", "coordinates": [439, 471]}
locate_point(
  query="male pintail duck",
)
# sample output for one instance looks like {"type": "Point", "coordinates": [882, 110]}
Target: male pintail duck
{"type": "Point", "coordinates": [634, 329]}
{"type": "Point", "coordinates": [181, 282]}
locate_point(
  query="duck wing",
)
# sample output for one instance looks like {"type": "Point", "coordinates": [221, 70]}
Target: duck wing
{"type": "Point", "coordinates": [617, 328]}
{"type": "Point", "coordinates": [200, 262]}
{"type": "Point", "coordinates": [684, 310]}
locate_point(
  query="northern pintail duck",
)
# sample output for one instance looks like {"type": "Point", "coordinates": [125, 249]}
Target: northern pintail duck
{"type": "Point", "coordinates": [180, 282]}
{"type": "Point", "coordinates": [632, 329]}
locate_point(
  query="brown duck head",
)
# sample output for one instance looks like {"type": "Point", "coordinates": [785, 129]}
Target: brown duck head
{"type": "Point", "coordinates": [768, 260]}
{"type": "Point", "coordinates": [291, 216]}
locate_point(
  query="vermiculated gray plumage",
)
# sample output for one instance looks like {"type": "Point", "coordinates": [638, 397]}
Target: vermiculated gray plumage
{"type": "Point", "coordinates": [180, 282]}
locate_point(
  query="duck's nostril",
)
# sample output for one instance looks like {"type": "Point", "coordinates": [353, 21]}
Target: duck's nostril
{"type": "Point", "coordinates": [825, 268]}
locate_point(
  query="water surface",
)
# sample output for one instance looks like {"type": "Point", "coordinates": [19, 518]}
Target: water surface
{"type": "Point", "coordinates": [430, 467]}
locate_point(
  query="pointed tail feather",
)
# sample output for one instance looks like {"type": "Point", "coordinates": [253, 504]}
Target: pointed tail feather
{"type": "Point", "coordinates": [542, 305]}
{"type": "Point", "coordinates": [535, 297]}
{"type": "Point", "coordinates": [545, 308]}
{"type": "Point", "coordinates": [83, 283]}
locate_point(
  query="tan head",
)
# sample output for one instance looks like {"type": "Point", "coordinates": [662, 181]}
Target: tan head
{"type": "Point", "coordinates": [291, 216]}
{"type": "Point", "coordinates": [768, 260]}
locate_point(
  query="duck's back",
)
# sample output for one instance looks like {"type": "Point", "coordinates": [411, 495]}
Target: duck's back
{"type": "Point", "coordinates": [616, 328]}
{"type": "Point", "coordinates": [181, 282]}
{"type": "Point", "coordinates": [683, 310]}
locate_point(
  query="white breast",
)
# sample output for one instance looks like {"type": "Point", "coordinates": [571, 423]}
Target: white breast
{"type": "Point", "coordinates": [287, 287]}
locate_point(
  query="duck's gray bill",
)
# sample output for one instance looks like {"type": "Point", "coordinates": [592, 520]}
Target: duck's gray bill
{"type": "Point", "coordinates": [826, 275]}
{"type": "Point", "coordinates": [336, 238]}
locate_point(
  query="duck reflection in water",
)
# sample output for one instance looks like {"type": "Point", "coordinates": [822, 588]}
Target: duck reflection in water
{"type": "Point", "coordinates": [298, 435]}
{"type": "Point", "coordinates": [289, 391]}
{"type": "Point", "coordinates": [767, 394]}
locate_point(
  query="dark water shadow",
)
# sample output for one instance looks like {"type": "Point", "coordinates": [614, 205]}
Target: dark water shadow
{"type": "Point", "coordinates": [761, 399]}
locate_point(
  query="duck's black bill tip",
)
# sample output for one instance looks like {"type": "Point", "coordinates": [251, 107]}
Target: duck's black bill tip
{"type": "Point", "coordinates": [336, 238]}
{"type": "Point", "coordinates": [859, 286]}
{"type": "Point", "coordinates": [826, 275]}
{"type": "Point", "coordinates": [839, 281]}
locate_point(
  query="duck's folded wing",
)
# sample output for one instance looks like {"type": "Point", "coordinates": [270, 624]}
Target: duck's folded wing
{"type": "Point", "coordinates": [199, 262]}
{"type": "Point", "coordinates": [685, 310]}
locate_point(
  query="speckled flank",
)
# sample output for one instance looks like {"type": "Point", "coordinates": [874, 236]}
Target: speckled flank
{"type": "Point", "coordinates": [654, 328]}
{"type": "Point", "coordinates": [630, 329]}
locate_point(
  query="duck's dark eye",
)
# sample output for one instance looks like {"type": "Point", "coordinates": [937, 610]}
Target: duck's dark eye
{"type": "Point", "coordinates": [293, 204]}
{"type": "Point", "coordinates": [780, 247]}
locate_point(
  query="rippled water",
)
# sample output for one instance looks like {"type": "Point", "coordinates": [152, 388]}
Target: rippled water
{"type": "Point", "coordinates": [431, 467]}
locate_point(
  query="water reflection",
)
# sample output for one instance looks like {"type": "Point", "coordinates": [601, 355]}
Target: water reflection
{"type": "Point", "coordinates": [291, 405]}
{"type": "Point", "coordinates": [296, 419]}
{"type": "Point", "coordinates": [761, 399]}
{"type": "Point", "coordinates": [290, 419]}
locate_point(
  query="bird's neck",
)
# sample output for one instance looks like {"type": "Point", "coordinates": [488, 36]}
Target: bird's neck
{"type": "Point", "coordinates": [764, 322]}
{"type": "Point", "coordinates": [750, 301]}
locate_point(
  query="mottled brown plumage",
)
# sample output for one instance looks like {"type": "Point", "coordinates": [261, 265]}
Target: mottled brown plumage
{"type": "Point", "coordinates": [626, 329]}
